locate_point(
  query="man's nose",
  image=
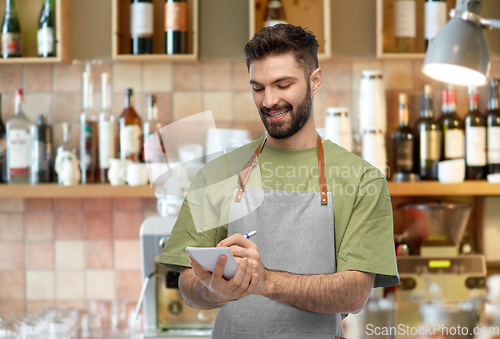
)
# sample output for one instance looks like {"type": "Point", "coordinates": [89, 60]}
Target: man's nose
{"type": "Point", "coordinates": [270, 98]}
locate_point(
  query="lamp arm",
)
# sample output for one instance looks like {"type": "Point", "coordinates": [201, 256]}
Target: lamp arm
{"type": "Point", "coordinates": [490, 23]}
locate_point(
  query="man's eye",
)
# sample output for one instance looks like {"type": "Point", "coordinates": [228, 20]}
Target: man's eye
{"type": "Point", "coordinates": [283, 87]}
{"type": "Point", "coordinates": [258, 89]}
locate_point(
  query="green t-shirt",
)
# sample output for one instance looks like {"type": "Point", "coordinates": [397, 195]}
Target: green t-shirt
{"type": "Point", "coordinates": [361, 204]}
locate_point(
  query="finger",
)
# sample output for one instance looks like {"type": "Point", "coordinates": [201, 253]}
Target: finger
{"type": "Point", "coordinates": [246, 279]}
{"type": "Point", "coordinates": [241, 252]}
{"type": "Point", "coordinates": [237, 239]}
{"type": "Point", "coordinates": [219, 267]}
{"type": "Point", "coordinates": [240, 273]}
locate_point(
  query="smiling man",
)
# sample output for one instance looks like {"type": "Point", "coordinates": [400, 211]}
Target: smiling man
{"type": "Point", "coordinates": [323, 216]}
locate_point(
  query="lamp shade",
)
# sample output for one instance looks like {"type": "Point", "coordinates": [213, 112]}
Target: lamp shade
{"type": "Point", "coordinates": [458, 54]}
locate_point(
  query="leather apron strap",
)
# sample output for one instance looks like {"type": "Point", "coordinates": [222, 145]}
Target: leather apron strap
{"type": "Point", "coordinates": [248, 167]}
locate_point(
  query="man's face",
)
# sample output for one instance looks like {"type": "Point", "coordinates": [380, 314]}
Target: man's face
{"type": "Point", "coordinates": [281, 93]}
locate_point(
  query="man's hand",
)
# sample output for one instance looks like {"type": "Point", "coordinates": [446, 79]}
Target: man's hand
{"type": "Point", "coordinates": [244, 249]}
{"type": "Point", "coordinates": [238, 287]}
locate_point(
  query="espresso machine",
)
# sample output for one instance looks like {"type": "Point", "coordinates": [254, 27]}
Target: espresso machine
{"type": "Point", "coordinates": [430, 265]}
{"type": "Point", "coordinates": [165, 312]}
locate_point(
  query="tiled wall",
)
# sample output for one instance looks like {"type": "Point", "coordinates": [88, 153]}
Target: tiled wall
{"type": "Point", "coordinates": [64, 252]}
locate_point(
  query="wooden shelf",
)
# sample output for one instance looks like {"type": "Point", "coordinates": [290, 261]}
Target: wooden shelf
{"type": "Point", "coordinates": [29, 12]}
{"type": "Point", "coordinates": [77, 191]}
{"type": "Point", "coordinates": [313, 15]}
{"type": "Point", "coordinates": [120, 39]}
{"type": "Point", "coordinates": [434, 188]}
{"type": "Point", "coordinates": [156, 58]}
{"type": "Point", "coordinates": [423, 188]}
{"type": "Point", "coordinates": [402, 56]}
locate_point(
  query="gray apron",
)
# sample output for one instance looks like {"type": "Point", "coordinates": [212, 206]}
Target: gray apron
{"type": "Point", "coordinates": [295, 233]}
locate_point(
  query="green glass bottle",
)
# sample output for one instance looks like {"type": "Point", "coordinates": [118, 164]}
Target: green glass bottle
{"type": "Point", "coordinates": [11, 32]}
{"type": "Point", "coordinates": [46, 37]}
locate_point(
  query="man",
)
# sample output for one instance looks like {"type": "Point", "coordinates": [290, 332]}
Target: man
{"type": "Point", "coordinates": [323, 216]}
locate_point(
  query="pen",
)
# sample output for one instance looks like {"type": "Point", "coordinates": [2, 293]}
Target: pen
{"type": "Point", "coordinates": [251, 234]}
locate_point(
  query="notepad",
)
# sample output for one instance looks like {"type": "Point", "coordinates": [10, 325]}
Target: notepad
{"type": "Point", "coordinates": [208, 256]}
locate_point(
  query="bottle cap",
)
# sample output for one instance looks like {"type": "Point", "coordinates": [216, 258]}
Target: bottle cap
{"type": "Point", "coordinates": [42, 118]}
{"type": "Point", "coordinates": [129, 91]}
{"type": "Point", "coordinates": [19, 91]}
{"type": "Point", "coordinates": [428, 89]}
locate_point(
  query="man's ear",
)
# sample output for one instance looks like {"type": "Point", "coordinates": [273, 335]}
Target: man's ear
{"type": "Point", "coordinates": [315, 80]}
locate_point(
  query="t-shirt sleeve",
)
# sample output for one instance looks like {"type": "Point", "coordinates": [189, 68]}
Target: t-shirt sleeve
{"type": "Point", "coordinates": [368, 242]}
{"type": "Point", "coordinates": [185, 233]}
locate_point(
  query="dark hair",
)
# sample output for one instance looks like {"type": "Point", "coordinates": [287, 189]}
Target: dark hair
{"type": "Point", "coordinates": [281, 39]}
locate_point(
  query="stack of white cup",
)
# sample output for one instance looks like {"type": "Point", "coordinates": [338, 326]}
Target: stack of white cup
{"type": "Point", "coordinates": [373, 119]}
{"type": "Point", "coordinates": [338, 126]}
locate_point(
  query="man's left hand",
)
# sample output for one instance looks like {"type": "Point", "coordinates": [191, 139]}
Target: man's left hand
{"type": "Point", "coordinates": [242, 247]}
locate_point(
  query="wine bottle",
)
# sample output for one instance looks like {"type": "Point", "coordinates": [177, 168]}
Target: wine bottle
{"type": "Point", "coordinates": [88, 133]}
{"type": "Point", "coordinates": [453, 126]}
{"type": "Point", "coordinates": [176, 26]}
{"type": "Point", "coordinates": [141, 26]}
{"type": "Point", "coordinates": [130, 130]}
{"type": "Point", "coordinates": [18, 144]}
{"type": "Point", "coordinates": [435, 18]}
{"type": "Point", "coordinates": [106, 129]}
{"type": "Point", "coordinates": [152, 151]}
{"type": "Point", "coordinates": [493, 123]}
{"type": "Point", "coordinates": [402, 140]}
{"type": "Point", "coordinates": [46, 37]}
{"type": "Point", "coordinates": [475, 139]}
{"type": "Point", "coordinates": [41, 148]}
{"type": "Point", "coordinates": [3, 145]}
{"type": "Point", "coordinates": [405, 26]}
{"type": "Point", "coordinates": [11, 32]}
{"type": "Point", "coordinates": [66, 145]}
{"type": "Point", "coordinates": [274, 14]}
{"type": "Point", "coordinates": [430, 138]}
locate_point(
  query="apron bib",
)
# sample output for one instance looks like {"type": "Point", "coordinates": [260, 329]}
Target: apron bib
{"type": "Point", "coordinates": [295, 233]}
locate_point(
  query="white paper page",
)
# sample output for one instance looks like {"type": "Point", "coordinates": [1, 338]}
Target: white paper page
{"type": "Point", "coordinates": [208, 256]}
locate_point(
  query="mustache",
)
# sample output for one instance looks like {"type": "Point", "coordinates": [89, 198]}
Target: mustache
{"type": "Point", "coordinates": [265, 110]}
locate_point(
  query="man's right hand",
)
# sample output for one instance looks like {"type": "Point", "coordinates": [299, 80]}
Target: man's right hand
{"type": "Point", "coordinates": [241, 285]}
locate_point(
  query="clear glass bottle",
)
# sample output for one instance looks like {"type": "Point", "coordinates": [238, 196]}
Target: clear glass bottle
{"type": "Point", "coordinates": [152, 153]}
{"type": "Point", "coordinates": [41, 165]}
{"type": "Point", "coordinates": [274, 14]}
{"type": "Point", "coordinates": [18, 144]}
{"type": "Point", "coordinates": [67, 144]}
{"type": "Point", "coordinates": [88, 133]}
{"type": "Point", "coordinates": [106, 129]}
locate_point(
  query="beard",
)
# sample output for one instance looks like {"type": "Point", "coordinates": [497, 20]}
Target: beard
{"type": "Point", "coordinates": [298, 117]}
